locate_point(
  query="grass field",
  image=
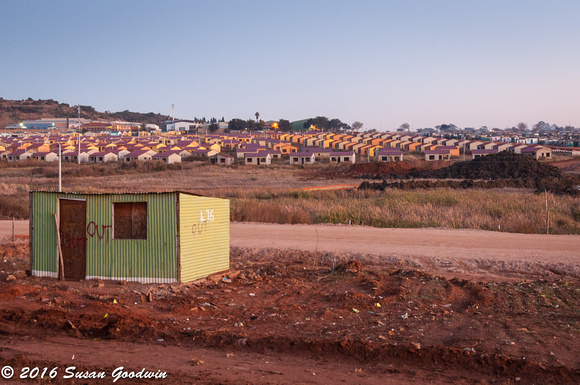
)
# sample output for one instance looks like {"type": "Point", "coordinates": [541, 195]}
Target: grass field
{"type": "Point", "coordinates": [272, 195]}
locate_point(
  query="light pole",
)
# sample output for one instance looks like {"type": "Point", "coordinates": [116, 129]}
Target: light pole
{"type": "Point", "coordinates": [59, 168]}
{"type": "Point", "coordinates": [79, 138]}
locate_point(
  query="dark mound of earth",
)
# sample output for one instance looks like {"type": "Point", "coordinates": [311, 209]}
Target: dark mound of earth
{"type": "Point", "coordinates": [493, 171]}
{"type": "Point", "coordinates": [504, 165]}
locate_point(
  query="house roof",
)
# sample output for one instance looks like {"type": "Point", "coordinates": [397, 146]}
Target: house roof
{"type": "Point", "coordinates": [166, 154]}
{"type": "Point", "coordinates": [19, 152]}
{"type": "Point", "coordinates": [437, 151]}
{"type": "Point", "coordinates": [342, 153]}
{"type": "Point", "coordinates": [201, 151]}
{"type": "Point", "coordinates": [303, 154]}
{"type": "Point", "coordinates": [259, 154]}
{"type": "Point", "coordinates": [485, 151]}
{"type": "Point", "coordinates": [136, 153]}
{"type": "Point", "coordinates": [38, 154]}
{"type": "Point", "coordinates": [531, 149]}
{"type": "Point", "coordinates": [389, 151]}
{"type": "Point", "coordinates": [104, 153]}
{"type": "Point", "coordinates": [118, 193]}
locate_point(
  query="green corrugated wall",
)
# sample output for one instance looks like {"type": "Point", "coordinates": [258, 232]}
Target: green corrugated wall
{"type": "Point", "coordinates": [43, 236]}
{"type": "Point", "coordinates": [204, 231]}
{"type": "Point", "coordinates": [150, 260]}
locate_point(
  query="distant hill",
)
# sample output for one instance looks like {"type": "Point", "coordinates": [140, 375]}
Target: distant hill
{"type": "Point", "coordinates": [15, 111]}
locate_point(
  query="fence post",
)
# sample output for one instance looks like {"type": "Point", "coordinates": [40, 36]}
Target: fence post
{"type": "Point", "coordinates": [12, 229]}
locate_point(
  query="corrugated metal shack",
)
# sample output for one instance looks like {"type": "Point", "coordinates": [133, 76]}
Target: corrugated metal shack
{"type": "Point", "coordinates": [146, 237]}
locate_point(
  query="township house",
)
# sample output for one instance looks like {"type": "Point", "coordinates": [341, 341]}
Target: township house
{"type": "Point", "coordinates": [139, 155]}
{"type": "Point", "coordinates": [168, 157]}
{"type": "Point", "coordinates": [259, 158]}
{"type": "Point", "coordinates": [46, 156]}
{"type": "Point", "coordinates": [481, 153]}
{"type": "Point", "coordinates": [537, 152]}
{"type": "Point", "coordinates": [72, 156]}
{"type": "Point", "coordinates": [103, 157]}
{"type": "Point", "coordinates": [223, 159]}
{"type": "Point", "coordinates": [18, 155]}
{"type": "Point", "coordinates": [431, 155]}
{"type": "Point", "coordinates": [390, 155]}
{"type": "Point", "coordinates": [318, 152]}
{"type": "Point", "coordinates": [249, 149]}
{"type": "Point", "coordinates": [453, 150]}
{"type": "Point", "coordinates": [342, 157]}
{"type": "Point", "coordinates": [302, 158]}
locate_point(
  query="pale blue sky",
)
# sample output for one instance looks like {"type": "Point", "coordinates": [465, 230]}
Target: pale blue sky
{"type": "Point", "coordinates": [383, 63]}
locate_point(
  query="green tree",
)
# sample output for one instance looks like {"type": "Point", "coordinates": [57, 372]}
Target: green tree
{"type": "Point", "coordinates": [284, 125]}
{"type": "Point", "coordinates": [237, 125]}
{"type": "Point", "coordinates": [357, 126]}
{"type": "Point", "coordinates": [320, 122]}
{"type": "Point", "coordinates": [522, 126]}
{"type": "Point", "coordinates": [251, 125]}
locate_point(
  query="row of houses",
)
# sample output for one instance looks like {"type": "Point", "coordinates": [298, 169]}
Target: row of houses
{"type": "Point", "coordinates": [256, 149]}
{"type": "Point", "coordinates": [103, 149]}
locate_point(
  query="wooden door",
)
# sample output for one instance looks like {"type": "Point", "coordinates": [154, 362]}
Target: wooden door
{"type": "Point", "coordinates": [73, 239]}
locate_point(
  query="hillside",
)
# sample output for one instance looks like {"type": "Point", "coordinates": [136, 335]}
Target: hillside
{"type": "Point", "coordinates": [15, 111]}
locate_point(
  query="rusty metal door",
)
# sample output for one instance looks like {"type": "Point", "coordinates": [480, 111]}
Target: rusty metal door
{"type": "Point", "coordinates": [73, 239]}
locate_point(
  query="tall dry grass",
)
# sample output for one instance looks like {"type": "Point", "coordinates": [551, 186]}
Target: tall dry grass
{"type": "Point", "coordinates": [496, 210]}
{"type": "Point", "coordinates": [509, 210]}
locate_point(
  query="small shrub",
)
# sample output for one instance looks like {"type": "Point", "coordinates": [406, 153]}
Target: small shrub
{"type": "Point", "coordinates": [576, 212]}
{"type": "Point", "coordinates": [14, 206]}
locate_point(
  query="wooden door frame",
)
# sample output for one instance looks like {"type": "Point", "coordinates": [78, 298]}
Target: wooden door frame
{"type": "Point", "coordinates": [58, 272]}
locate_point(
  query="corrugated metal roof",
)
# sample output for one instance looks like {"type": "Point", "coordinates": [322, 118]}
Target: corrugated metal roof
{"type": "Point", "coordinates": [119, 193]}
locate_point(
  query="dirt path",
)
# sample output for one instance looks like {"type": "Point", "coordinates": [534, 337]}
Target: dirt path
{"type": "Point", "coordinates": [439, 251]}
{"type": "Point", "coordinates": [421, 243]}
{"type": "Point", "coordinates": [20, 228]}
{"type": "Point", "coordinates": [430, 243]}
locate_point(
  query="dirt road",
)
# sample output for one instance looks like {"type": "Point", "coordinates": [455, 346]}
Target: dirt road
{"type": "Point", "coordinates": [436, 250]}
{"type": "Point", "coordinates": [430, 243]}
{"type": "Point", "coordinates": [471, 252]}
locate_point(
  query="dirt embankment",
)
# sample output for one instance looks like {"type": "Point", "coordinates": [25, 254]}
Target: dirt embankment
{"type": "Point", "coordinates": [493, 171]}
{"type": "Point", "coordinates": [281, 316]}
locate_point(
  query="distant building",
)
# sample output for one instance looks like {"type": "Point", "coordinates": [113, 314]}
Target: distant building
{"type": "Point", "coordinates": [151, 127]}
{"type": "Point", "coordinates": [181, 125]}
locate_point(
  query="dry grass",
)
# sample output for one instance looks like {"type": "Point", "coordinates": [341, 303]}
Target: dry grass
{"type": "Point", "coordinates": [511, 211]}
{"type": "Point", "coordinates": [265, 195]}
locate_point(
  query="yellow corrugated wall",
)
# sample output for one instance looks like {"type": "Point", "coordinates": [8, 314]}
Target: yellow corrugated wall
{"type": "Point", "coordinates": [204, 231]}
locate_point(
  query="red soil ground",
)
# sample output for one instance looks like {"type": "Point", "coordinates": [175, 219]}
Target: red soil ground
{"type": "Point", "coordinates": [290, 316]}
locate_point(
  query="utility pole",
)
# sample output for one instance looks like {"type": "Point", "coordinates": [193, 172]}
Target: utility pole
{"type": "Point", "coordinates": [59, 168]}
{"type": "Point", "coordinates": [79, 134]}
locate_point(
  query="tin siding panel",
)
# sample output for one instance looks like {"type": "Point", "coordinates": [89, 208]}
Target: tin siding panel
{"type": "Point", "coordinates": [44, 257]}
{"type": "Point", "coordinates": [153, 260]}
{"type": "Point", "coordinates": [148, 260]}
{"type": "Point", "coordinates": [204, 236]}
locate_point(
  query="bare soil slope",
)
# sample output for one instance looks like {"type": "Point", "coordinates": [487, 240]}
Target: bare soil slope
{"type": "Point", "coordinates": [346, 305]}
